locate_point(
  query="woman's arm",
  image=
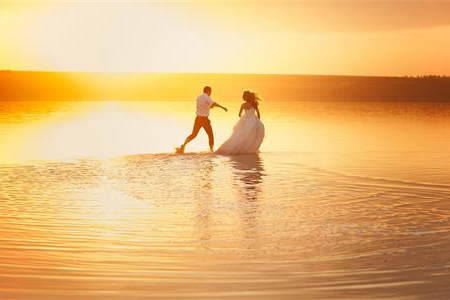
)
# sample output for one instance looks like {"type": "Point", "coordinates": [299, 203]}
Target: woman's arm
{"type": "Point", "coordinates": [240, 111]}
{"type": "Point", "coordinates": [257, 112]}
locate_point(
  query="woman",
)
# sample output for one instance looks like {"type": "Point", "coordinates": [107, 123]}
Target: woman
{"type": "Point", "coordinates": [248, 133]}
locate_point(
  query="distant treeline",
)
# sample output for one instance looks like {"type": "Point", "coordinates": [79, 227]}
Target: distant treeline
{"type": "Point", "coordinates": [147, 86]}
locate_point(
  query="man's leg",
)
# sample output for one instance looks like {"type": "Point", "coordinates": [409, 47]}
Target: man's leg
{"type": "Point", "coordinates": [195, 130]}
{"type": "Point", "coordinates": [209, 132]}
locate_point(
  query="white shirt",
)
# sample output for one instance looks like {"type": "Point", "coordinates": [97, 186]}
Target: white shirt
{"type": "Point", "coordinates": [204, 103]}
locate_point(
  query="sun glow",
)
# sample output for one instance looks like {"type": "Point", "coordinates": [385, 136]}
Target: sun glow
{"type": "Point", "coordinates": [300, 37]}
{"type": "Point", "coordinates": [120, 38]}
{"type": "Point", "coordinates": [95, 130]}
{"type": "Point", "coordinates": [104, 129]}
{"type": "Point", "coordinates": [110, 130]}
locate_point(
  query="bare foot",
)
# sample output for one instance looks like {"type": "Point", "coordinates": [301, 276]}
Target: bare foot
{"type": "Point", "coordinates": [180, 149]}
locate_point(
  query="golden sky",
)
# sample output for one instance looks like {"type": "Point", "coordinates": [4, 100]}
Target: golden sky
{"type": "Point", "coordinates": [292, 37]}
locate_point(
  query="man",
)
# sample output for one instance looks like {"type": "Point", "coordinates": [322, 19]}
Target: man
{"type": "Point", "coordinates": [204, 104]}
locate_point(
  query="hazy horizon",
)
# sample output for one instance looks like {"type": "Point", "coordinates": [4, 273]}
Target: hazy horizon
{"type": "Point", "coordinates": [224, 73]}
{"type": "Point", "coordinates": [36, 85]}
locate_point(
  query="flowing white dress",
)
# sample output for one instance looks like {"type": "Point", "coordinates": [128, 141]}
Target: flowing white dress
{"type": "Point", "coordinates": [247, 136]}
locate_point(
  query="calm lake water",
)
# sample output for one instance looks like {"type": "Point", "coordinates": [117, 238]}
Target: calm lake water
{"type": "Point", "coordinates": [345, 200]}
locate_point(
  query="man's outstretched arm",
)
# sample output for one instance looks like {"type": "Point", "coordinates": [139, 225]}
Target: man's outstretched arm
{"type": "Point", "coordinates": [215, 104]}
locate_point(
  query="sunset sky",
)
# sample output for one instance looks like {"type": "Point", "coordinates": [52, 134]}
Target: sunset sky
{"type": "Point", "coordinates": [284, 37]}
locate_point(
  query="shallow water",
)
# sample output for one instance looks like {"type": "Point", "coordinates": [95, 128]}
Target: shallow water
{"type": "Point", "coordinates": [345, 200]}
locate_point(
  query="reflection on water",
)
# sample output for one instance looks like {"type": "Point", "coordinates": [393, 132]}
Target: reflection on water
{"type": "Point", "coordinates": [249, 169]}
{"type": "Point", "coordinates": [249, 172]}
{"type": "Point", "coordinates": [342, 216]}
{"type": "Point", "coordinates": [68, 130]}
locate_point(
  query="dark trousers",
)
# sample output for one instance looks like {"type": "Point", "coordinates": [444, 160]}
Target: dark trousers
{"type": "Point", "coordinates": [198, 124]}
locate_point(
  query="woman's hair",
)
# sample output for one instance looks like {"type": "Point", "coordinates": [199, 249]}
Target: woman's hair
{"type": "Point", "coordinates": [252, 98]}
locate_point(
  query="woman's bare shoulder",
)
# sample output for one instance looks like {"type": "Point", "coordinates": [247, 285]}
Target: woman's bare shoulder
{"type": "Point", "coordinates": [246, 105]}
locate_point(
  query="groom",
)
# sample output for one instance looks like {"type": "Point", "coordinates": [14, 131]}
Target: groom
{"type": "Point", "coordinates": [204, 104]}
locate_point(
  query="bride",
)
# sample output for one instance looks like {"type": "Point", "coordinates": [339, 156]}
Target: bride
{"type": "Point", "coordinates": [248, 133]}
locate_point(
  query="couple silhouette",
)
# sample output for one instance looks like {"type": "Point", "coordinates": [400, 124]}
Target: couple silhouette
{"type": "Point", "coordinates": [248, 132]}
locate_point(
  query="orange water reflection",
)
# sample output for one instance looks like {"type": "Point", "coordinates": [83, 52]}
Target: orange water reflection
{"type": "Point", "coordinates": [344, 196]}
{"type": "Point", "coordinates": [69, 130]}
